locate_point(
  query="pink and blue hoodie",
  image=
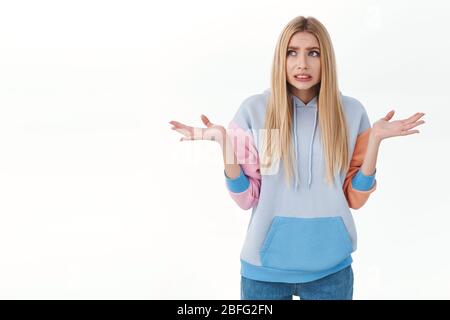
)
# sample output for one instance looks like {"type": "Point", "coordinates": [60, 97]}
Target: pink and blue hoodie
{"type": "Point", "coordinates": [306, 232]}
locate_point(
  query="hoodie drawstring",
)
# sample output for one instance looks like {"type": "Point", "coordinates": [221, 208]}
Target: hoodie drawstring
{"type": "Point", "coordinates": [310, 149]}
{"type": "Point", "coordinates": [296, 146]}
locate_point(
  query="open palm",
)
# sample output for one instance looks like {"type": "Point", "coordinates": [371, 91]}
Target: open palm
{"type": "Point", "coordinates": [384, 128]}
{"type": "Point", "coordinates": [212, 131]}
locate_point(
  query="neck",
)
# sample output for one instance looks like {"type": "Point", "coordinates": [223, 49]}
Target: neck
{"type": "Point", "coordinates": [305, 95]}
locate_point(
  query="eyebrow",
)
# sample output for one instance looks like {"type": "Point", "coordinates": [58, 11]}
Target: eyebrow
{"type": "Point", "coordinates": [309, 48]}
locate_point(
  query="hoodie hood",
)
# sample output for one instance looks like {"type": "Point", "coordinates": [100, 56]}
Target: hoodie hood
{"type": "Point", "coordinates": [312, 106]}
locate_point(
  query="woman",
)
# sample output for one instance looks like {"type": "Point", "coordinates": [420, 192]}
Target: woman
{"type": "Point", "coordinates": [301, 234]}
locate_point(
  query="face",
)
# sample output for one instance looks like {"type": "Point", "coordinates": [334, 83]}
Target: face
{"type": "Point", "coordinates": [303, 57]}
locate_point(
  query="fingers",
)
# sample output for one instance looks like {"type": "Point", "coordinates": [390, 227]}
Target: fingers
{"type": "Point", "coordinates": [181, 128]}
{"type": "Point", "coordinates": [178, 125]}
{"type": "Point", "coordinates": [412, 125]}
{"type": "Point", "coordinates": [182, 131]}
{"type": "Point", "coordinates": [406, 133]}
{"type": "Point", "coordinates": [206, 121]}
{"type": "Point", "coordinates": [389, 115]}
{"type": "Point", "coordinates": [190, 133]}
{"type": "Point", "coordinates": [413, 118]}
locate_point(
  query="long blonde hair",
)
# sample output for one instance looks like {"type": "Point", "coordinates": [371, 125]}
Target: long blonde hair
{"type": "Point", "coordinates": [279, 114]}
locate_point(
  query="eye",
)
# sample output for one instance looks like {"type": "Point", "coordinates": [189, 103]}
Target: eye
{"type": "Point", "coordinates": [316, 53]}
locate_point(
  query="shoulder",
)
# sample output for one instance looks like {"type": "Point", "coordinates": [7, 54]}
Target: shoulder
{"type": "Point", "coordinates": [352, 104]}
{"type": "Point", "coordinates": [355, 113]}
{"type": "Point", "coordinates": [255, 102]}
{"type": "Point", "coordinates": [252, 110]}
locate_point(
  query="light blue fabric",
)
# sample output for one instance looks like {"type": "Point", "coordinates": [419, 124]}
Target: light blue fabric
{"type": "Point", "coordinates": [238, 184]}
{"type": "Point", "coordinates": [312, 104]}
{"type": "Point", "coordinates": [305, 249]}
{"type": "Point", "coordinates": [308, 244]}
{"type": "Point", "coordinates": [252, 271]}
{"type": "Point", "coordinates": [300, 234]}
{"type": "Point", "coordinates": [362, 182]}
{"type": "Point", "coordinates": [335, 286]}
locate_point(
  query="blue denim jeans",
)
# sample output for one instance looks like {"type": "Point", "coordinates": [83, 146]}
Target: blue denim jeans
{"type": "Point", "coordinates": [336, 286]}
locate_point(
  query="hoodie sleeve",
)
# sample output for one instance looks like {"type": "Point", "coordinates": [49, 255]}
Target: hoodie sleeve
{"type": "Point", "coordinates": [357, 186]}
{"type": "Point", "coordinates": [244, 189]}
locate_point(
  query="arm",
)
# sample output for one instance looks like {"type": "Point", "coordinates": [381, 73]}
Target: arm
{"type": "Point", "coordinates": [232, 168]}
{"type": "Point", "coordinates": [364, 179]}
{"type": "Point", "coordinates": [363, 164]}
{"type": "Point", "coordinates": [242, 171]}
{"type": "Point", "coordinates": [240, 157]}
{"type": "Point", "coordinates": [370, 160]}
{"type": "Point", "coordinates": [383, 129]}
{"type": "Point", "coordinates": [356, 180]}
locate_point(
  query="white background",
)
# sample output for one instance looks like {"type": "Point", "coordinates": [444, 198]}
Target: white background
{"type": "Point", "coordinates": [100, 200]}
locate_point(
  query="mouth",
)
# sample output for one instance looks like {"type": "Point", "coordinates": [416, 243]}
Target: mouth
{"type": "Point", "coordinates": [303, 78]}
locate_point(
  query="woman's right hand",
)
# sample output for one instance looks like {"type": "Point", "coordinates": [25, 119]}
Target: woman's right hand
{"type": "Point", "coordinates": [213, 132]}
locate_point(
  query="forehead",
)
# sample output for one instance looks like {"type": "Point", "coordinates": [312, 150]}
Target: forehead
{"type": "Point", "coordinates": [303, 39]}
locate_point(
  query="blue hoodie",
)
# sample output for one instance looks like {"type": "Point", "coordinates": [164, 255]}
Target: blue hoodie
{"type": "Point", "coordinates": [304, 232]}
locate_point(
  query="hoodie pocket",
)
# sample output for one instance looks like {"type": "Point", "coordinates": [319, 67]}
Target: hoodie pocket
{"type": "Point", "coordinates": [306, 244]}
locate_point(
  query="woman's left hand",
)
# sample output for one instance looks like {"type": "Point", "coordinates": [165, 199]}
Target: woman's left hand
{"type": "Point", "coordinates": [383, 129]}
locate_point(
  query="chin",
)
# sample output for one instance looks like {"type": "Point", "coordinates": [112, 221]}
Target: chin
{"type": "Point", "coordinates": [305, 86]}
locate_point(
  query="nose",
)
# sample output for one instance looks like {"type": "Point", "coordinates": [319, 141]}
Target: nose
{"type": "Point", "coordinates": [301, 62]}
